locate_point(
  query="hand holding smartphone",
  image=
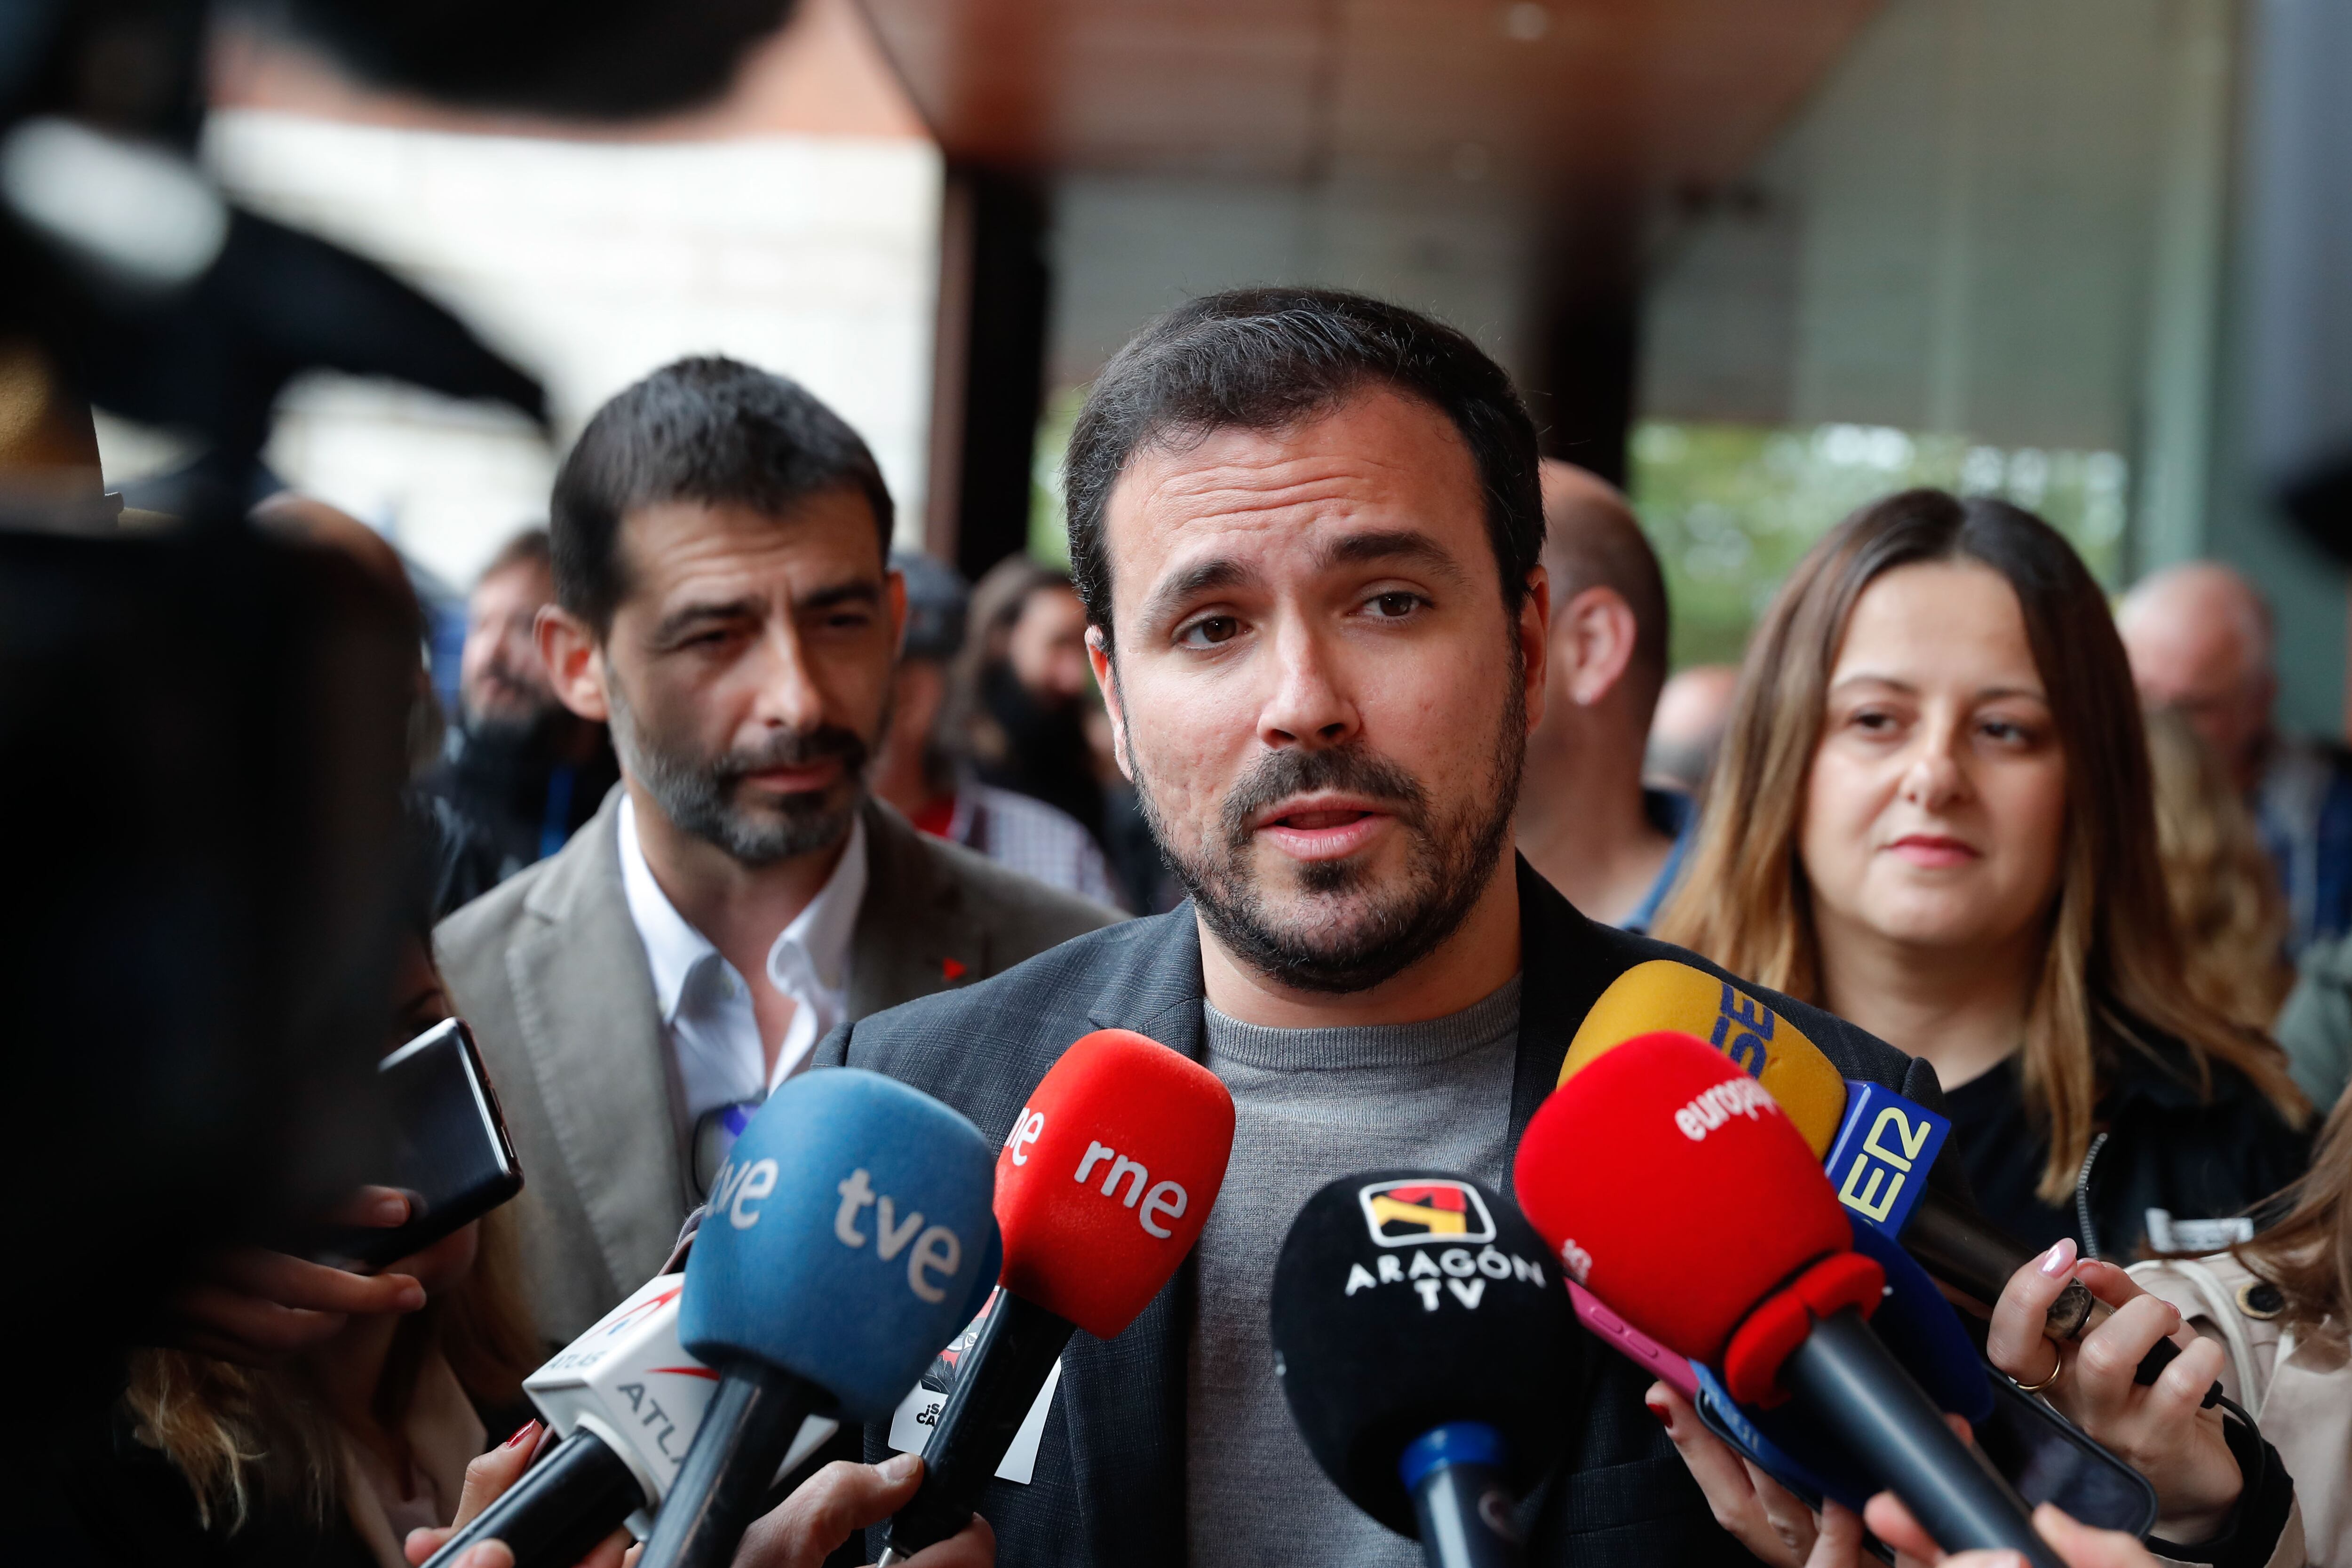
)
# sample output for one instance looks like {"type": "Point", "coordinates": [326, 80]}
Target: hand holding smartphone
{"type": "Point", "coordinates": [451, 1156]}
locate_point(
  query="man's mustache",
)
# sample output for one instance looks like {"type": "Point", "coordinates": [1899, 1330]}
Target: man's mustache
{"type": "Point", "coordinates": [1350, 769]}
{"type": "Point", "coordinates": [792, 749]}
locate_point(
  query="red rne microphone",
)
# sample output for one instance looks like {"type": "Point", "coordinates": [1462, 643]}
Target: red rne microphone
{"type": "Point", "coordinates": [1669, 1183]}
{"type": "Point", "coordinates": [1102, 1187]}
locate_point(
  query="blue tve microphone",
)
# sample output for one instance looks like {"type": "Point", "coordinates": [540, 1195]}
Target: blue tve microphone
{"type": "Point", "coordinates": [849, 1236]}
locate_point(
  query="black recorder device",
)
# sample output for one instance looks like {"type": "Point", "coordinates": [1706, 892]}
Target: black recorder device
{"type": "Point", "coordinates": [450, 1154]}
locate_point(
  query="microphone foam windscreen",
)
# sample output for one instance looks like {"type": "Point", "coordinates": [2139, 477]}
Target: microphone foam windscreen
{"type": "Point", "coordinates": [1670, 1184]}
{"type": "Point", "coordinates": [1664, 994]}
{"type": "Point", "coordinates": [1405, 1300]}
{"type": "Point", "coordinates": [1108, 1176]}
{"type": "Point", "coordinates": [846, 1238]}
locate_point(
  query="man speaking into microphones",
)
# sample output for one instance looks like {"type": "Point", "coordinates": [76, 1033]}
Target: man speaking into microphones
{"type": "Point", "coordinates": [1306, 526]}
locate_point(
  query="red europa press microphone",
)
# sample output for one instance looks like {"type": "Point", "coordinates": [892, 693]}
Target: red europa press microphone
{"type": "Point", "coordinates": [1102, 1188]}
{"type": "Point", "coordinates": [1672, 1187]}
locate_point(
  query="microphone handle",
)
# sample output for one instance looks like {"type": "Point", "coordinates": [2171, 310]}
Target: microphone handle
{"type": "Point", "coordinates": [994, 1388]}
{"type": "Point", "coordinates": [745, 1434]}
{"type": "Point", "coordinates": [1460, 1498]}
{"type": "Point", "coordinates": [1850, 1382]}
{"type": "Point", "coordinates": [577, 1494]}
{"type": "Point", "coordinates": [1974, 1259]}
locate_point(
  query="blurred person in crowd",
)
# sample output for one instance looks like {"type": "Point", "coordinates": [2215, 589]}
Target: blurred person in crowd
{"type": "Point", "coordinates": [1933, 817]}
{"type": "Point", "coordinates": [282, 1435]}
{"type": "Point", "coordinates": [921, 771]}
{"type": "Point", "coordinates": [725, 603]}
{"type": "Point", "coordinates": [1686, 731]}
{"type": "Point", "coordinates": [1025, 690]}
{"type": "Point", "coordinates": [522, 769]}
{"type": "Point", "coordinates": [1586, 822]}
{"type": "Point", "coordinates": [306, 519]}
{"type": "Point", "coordinates": [470, 861]}
{"type": "Point", "coordinates": [2314, 1024]}
{"type": "Point", "coordinates": [1309, 527]}
{"type": "Point", "coordinates": [2224, 886]}
{"type": "Point", "coordinates": [2202, 639]}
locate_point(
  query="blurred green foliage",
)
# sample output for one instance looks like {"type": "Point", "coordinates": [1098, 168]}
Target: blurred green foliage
{"type": "Point", "coordinates": [1731, 508]}
{"type": "Point", "coordinates": [1049, 539]}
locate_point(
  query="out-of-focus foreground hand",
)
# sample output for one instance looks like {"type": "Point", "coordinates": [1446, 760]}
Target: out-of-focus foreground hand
{"type": "Point", "coordinates": [2160, 1430]}
{"type": "Point", "coordinates": [255, 1307]}
{"type": "Point", "coordinates": [842, 1498]}
{"type": "Point", "coordinates": [2077, 1545]}
{"type": "Point", "coordinates": [801, 1531]}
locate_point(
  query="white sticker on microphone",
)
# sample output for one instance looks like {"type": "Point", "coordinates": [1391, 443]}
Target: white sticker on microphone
{"type": "Point", "coordinates": [911, 1424]}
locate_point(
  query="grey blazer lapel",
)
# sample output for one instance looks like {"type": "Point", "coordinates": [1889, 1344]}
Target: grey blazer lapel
{"type": "Point", "coordinates": [1123, 1401]}
{"type": "Point", "coordinates": [912, 936]}
{"type": "Point", "coordinates": [585, 1000]}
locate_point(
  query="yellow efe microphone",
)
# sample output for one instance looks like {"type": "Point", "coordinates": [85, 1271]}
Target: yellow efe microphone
{"type": "Point", "coordinates": [1664, 994]}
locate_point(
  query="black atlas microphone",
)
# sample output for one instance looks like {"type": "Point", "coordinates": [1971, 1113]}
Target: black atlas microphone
{"type": "Point", "coordinates": [1427, 1348]}
{"type": "Point", "coordinates": [1102, 1188]}
{"type": "Point", "coordinates": [1671, 1185]}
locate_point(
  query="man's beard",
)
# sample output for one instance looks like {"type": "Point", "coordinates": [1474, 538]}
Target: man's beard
{"type": "Point", "coordinates": [1331, 947]}
{"type": "Point", "coordinates": [698, 794]}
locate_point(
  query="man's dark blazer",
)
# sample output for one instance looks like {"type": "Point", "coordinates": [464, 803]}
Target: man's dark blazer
{"type": "Point", "coordinates": [1108, 1486]}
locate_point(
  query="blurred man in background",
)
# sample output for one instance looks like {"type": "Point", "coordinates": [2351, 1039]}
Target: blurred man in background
{"type": "Point", "coordinates": [922, 768]}
{"type": "Point", "coordinates": [2200, 639]}
{"type": "Point", "coordinates": [1686, 731]}
{"type": "Point", "coordinates": [1586, 821]}
{"type": "Point", "coordinates": [1028, 689]}
{"type": "Point", "coordinates": [724, 602]}
{"type": "Point", "coordinates": [522, 772]}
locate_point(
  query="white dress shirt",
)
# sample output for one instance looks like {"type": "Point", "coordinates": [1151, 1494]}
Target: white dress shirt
{"type": "Point", "coordinates": [706, 1020]}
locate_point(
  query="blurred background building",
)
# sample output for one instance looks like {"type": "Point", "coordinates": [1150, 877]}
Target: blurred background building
{"type": "Point", "coordinates": [1760, 263]}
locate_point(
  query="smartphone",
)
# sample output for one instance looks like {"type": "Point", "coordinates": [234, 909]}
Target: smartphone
{"type": "Point", "coordinates": [450, 1150]}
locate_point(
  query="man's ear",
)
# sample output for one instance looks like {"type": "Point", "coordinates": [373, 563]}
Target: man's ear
{"type": "Point", "coordinates": [574, 660]}
{"type": "Point", "coordinates": [1534, 643]}
{"type": "Point", "coordinates": [1098, 656]}
{"type": "Point", "coordinates": [1598, 631]}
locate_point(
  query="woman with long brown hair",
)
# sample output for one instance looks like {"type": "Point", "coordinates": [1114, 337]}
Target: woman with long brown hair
{"type": "Point", "coordinates": [1933, 817]}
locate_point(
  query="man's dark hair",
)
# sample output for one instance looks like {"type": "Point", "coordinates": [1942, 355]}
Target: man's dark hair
{"type": "Point", "coordinates": [1266, 359]}
{"type": "Point", "coordinates": [705, 430]}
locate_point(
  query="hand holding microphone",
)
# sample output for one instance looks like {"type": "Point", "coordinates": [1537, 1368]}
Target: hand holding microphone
{"type": "Point", "coordinates": [1102, 1188]}
{"type": "Point", "coordinates": [801, 1531]}
{"type": "Point", "coordinates": [848, 1238]}
{"type": "Point", "coordinates": [1426, 1349]}
{"type": "Point", "coordinates": [1676, 1188]}
{"type": "Point", "coordinates": [2169, 1428]}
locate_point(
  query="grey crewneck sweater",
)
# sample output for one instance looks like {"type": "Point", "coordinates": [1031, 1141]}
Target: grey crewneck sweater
{"type": "Point", "coordinates": [1311, 1106]}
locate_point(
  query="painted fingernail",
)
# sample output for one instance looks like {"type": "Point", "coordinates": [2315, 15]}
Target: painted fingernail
{"type": "Point", "coordinates": [525, 1430]}
{"type": "Point", "coordinates": [2055, 1262]}
{"type": "Point", "coordinates": [1665, 1417]}
{"type": "Point", "coordinates": [899, 1466]}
